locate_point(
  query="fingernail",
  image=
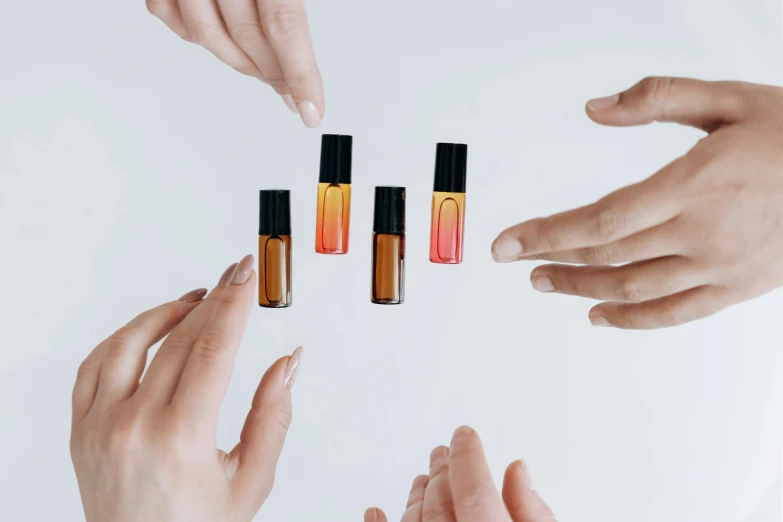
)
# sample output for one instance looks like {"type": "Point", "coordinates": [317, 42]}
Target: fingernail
{"type": "Point", "coordinates": [289, 102]}
{"type": "Point", "coordinates": [292, 368]}
{"type": "Point", "coordinates": [224, 279]}
{"type": "Point", "coordinates": [543, 284]}
{"type": "Point", "coordinates": [598, 320]}
{"type": "Point", "coordinates": [242, 273]}
{"type": "Point", "coordinates": [309, 114]}
{"type": "Point", "coordinates": [438, 453]}
{"type": "Point", "coordinates": [506, 249]}
{"type": "Point", "coordinates": [371, 515]}
{"type": "Point", "coordinates": [602, 104]}
{"type": "Point", "coordinates": [527, 478]}
{"type": "Point", "coordinates": [461, 433]}
{"type": "Point", "coordinates": [194, 296]}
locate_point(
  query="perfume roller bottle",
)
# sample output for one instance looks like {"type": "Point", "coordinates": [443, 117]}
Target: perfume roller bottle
{"type": "Point", "coordinates": [334, 195]}
{"type": "Point", "coordinates": [274, 249]}
{"type": "Point", "coordinates": [448, 203]}
{"type": "Point", "coordinates": [388, 246]}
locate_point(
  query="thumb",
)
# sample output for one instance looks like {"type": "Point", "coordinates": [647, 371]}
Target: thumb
{"type": "Point", "coordinates": [264, 433]}
{"type": "Point", "coordinates": [522, 501]}
{"type": "Point", "coordinates": [700, 104]}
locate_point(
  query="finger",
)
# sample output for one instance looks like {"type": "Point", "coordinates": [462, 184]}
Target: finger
{"type": "Point", "coordinates": [242, 22]}
{"type": "Point", "coordinates": [374, 515]}
{"type": "Point", "coordinates": [205, 27]}
{"type": "Point", "coordinates": [522, 501]}
{"type": "Point", "coordinates": [87, 378]}
{"type": "Point", "coordinates": [671, 310]}
{"type": "Point", "coordinates": [659, 241]}
{"type": "Point", "coordinates": [264, 433]}
{"type": "Point", "coordinates": [127, 354]}
{"type": "Point", "coordinates": [415, 505]}
{"type": "Point", "coordinates": [438, 504]}
{"type": "Point", "coordinates": [475, 497]}
{"type": "Point", "coordinates": [285, 25]}
{"type": "Point", "coordinates": [634, 282]}
{"type": "Point", "coordinates": [167, 11]}
{"type": "Point", "coordinates": [207, 371]}
{"type": "Point", "coordinates": [705, 105]}
{"type": "Point", "coordinates": [621, 214]}
{"type": "Point", "coordinates": [163, 374]}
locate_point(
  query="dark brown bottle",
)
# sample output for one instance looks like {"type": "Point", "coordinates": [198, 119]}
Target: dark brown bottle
{"type": "Point", "coordinates": [388, 246]}
{"type": "Point", "coordinates": [274, 249]}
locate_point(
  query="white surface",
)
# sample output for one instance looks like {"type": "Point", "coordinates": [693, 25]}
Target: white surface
{"type": "Point", "coordinates": [130, 165]}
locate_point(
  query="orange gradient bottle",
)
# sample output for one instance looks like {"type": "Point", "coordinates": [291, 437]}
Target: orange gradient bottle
{"type": "Point", "coordinates": [274, 249]}
{"type": "Point", "coordinates": [447, 235]}
{"type": "Point", "coordinates": [333, 217]}
{"type": "Point", "coordinates": [388, 246]}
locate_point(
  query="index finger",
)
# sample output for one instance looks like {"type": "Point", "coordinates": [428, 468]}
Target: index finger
{"type": "Point", "coordinates": [207, 371]}
{"type": "Point", "coordinates": [285, 26]}
{"type": "Point", "coordinates": [476, 498]}
{"type": "Point", "coordinates": [618, 215]}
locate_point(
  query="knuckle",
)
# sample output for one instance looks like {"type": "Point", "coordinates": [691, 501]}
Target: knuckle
{"type": "Point", "coordinates": [282, 419]}
{"type": "Point", "coordinates": [595, 255]}
{"type": "Point", "coordinates": [246, 34]}
{"type": "Point", "coordinates": [199, 32]}
{"type": "Point", "coordinates": [472, 501]}
{"type": "Point", "coordinates": [654, 90]}
{"type": "Point", "coordinates": [608, 224]}
{"type": "Point", "coordinates": [282, 21]}
{"type": "Point", "coordinates": [629, 291]}
{"type": "Point", "coordinates": [121, 338]}
{"type": "Point", "coordinates": [209, 346]}
{"type": "Point", "coordinates": [436, 512]}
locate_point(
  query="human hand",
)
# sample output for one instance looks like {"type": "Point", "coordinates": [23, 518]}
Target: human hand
{"type": "Point", "coordinates": [459, 488]}
{"type": "Point", "coordinates": [145, 449]}
{"type": "Point", "coordinates": [701, 234]}
{"type": "Point", "coordinates": [266, 39]}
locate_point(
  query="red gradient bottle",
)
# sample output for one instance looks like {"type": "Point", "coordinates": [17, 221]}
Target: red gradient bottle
{"type": "Point", "coordinates": [447, 235]}
{"type": "Point", "coordinates": [333, 218]}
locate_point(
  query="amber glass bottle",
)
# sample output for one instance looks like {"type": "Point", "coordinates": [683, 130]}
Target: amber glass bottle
{"type": "Point", "coordinates": [388, 246]}
{"type": "Point", "coordinates": [448, 203]}
{"type": "Point", "coordinates": [274, 249]}
{"type": "Point", "coordinates": [333, 217]}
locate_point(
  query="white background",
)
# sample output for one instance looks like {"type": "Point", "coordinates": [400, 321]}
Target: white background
{"type": "Point", "coordinates": [130, 164]}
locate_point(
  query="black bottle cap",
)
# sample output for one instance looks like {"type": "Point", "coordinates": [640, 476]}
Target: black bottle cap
{"type": "Point", "coordinates": [274, 213]}
{"type": "Point", "coordinates": [389, 210]}
{"type": "Point", "coordinates": [335, 159]}
{"type": "Point", "coordinates": [451, 167]}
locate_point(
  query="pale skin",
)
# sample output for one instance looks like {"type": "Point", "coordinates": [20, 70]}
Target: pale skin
{"type": "Point", "coordinates": [265, 39]}
{"type": "Point", "coordinates": [459, 488]}
{"type": "Point", "coordinates": [145, 449]}
{"type": "Point", "coordinates": [703, 233]}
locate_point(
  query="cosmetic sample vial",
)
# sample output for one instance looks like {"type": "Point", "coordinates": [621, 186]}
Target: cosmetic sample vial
{"type": "Point", "coordinates": [388, 246]}
{"type": "Point", "coordinates": [448, 203]}
{"type": "Point", "coordinates": [274, 249]}
{"type": "Point", "coordinates": [334, 195]}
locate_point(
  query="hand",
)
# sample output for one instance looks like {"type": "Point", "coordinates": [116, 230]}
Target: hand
{"type": "Point", "coordinates": [267, 39]}
{"type": "Point", "coordinates": [459, 488]}
{"type": "Point", "coordinates": [701, 234]}
{"type": "Point", "coordinates": [144, 449]}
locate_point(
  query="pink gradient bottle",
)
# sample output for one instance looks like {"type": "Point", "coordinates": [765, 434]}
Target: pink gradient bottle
{"type": "Point", "coordinates": [447, 235]}
{"type": "Point", "coordinates": [333, 216]}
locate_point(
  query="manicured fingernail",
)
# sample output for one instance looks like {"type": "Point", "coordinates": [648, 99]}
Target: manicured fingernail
{"type": "Point", "coordinates": [289, 102]}
{"type": "Point", "coordinates": [506, 249]}
{"type": "Point", "coordinates": [602, 104]}
{"type": "Point", "coordinates": [461, 433]}
{"type": "Point", "coordinates": [292, 368]}
{"type": "Point", "coordinates": [543, 284]}
{"type": "Point", "coordinates": [194, 296]}
{"type": "Point", "coordinates": [598, 320]}
{"type": "Point", "coordinates": [527, 478]}
{"type": "Point", "coordinates": [242, 273]}
{"type": "Point", "coordinates": [226, 277]}
{"type": "Point", "coordinates": [309, 113]}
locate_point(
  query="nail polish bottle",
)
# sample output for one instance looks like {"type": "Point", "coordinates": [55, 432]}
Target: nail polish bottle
{"type": "Point", "coordinates": [274, 249]}
{"type": "Point", "coordinates": [448, 203]}
{"type": "Point", "coordinates": [388, 246]}
{"type": "Point", "coordinates": [334, 195]}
